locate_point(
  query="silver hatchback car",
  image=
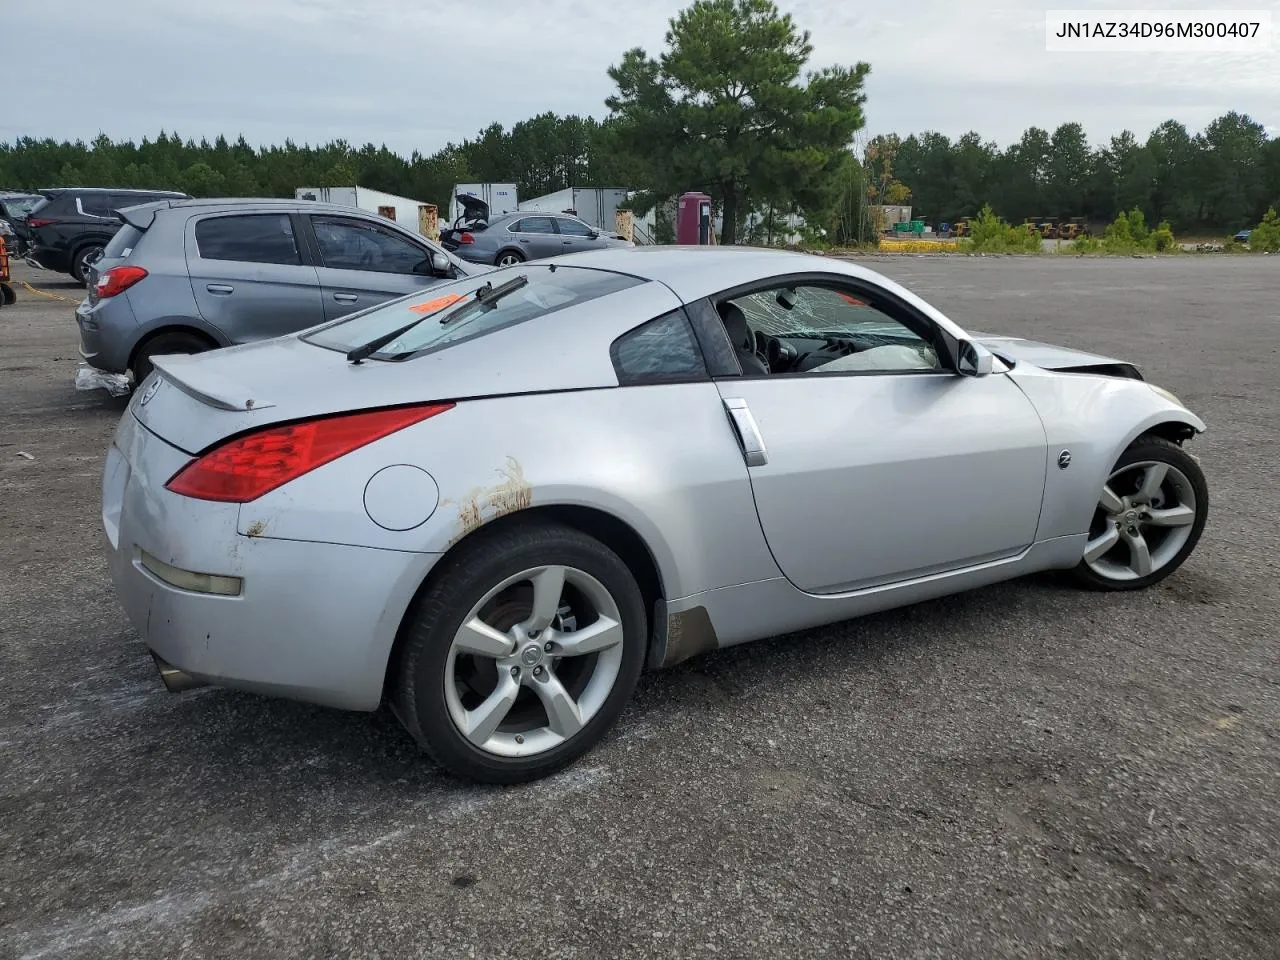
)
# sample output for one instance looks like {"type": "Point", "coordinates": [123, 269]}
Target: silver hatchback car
{"type": "Point", "coordinates": [185, 276]}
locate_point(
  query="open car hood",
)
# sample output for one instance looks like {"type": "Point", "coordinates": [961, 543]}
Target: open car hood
{"type": "Point", "coordinates": [1049, 357]}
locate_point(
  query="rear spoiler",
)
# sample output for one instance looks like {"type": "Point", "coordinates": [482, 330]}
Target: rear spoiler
{"type": "Point", "coordinates": [216, 390]}
{"type": "Point", "coordinates": [143, 215]}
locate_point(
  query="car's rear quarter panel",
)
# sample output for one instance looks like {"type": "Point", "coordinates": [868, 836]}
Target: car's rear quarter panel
{"type": "Point", "coordinates": [662, 459]}
{"type": "Point", "coordinates": [314, 621]}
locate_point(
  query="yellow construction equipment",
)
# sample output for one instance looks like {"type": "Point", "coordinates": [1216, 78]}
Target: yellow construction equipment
{"type": "Point", "coordinates": [1073, 228]}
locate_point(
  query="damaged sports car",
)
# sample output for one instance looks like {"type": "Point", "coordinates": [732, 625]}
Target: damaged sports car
{"type": "Point", "coordinates": [492, 505]}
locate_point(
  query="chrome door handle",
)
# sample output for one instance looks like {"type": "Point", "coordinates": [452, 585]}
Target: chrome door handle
{"type": "Point", "coordinates": [753, 448]}
{"type": "Point", "coordinates": [345, 297]}
{"type": "Point", "coordinates": [219, 288]}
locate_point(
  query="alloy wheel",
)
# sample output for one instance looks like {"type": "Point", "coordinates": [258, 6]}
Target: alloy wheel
{"type": "Point", "coordinates": [1144, 517]}
{"type": "Point", "coordinates": [533, 661]}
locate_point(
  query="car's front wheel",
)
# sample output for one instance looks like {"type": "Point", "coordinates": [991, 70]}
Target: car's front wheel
{"type": "Point", "coordinates": [522, 654]}
{"type": "Point", "coordinates": [1149, 517]}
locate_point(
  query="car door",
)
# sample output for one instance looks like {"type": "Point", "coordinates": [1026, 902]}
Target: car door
{"type": "Point", "coordinates": [537, 237]}
{"type": "Point", "coordinates": [248, 275]}
{"type": "Point", "coordinates": [871, 461]}
{"type": "Point", "coordinates": [362, 263]}
{"type": "Point", "coordinates": [576, 236]}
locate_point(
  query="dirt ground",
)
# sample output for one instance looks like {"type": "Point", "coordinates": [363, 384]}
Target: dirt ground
{"type": "Point", "coordinates": [1022, 771]}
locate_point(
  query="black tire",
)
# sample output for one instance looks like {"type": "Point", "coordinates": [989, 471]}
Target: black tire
{"type": "Point", "coordinates": [176, 342]}
{"type": "Point", "coordinates": [515, 256]}
{"type": "Point", "coordinates": [79, 262]}
{"type": "Point", "coordinates": [480, 564]}
{"type": "Point", "coordinates": [1150, 447]}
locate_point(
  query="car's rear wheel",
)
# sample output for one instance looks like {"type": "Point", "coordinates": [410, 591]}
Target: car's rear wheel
{"type": "Point", "coordinates": [509, 258]}
{"type": "Point", "coordinates": [1149, 517]}
{"type": "Point", "coordinates": [80, 262]}
{"type": "Point", "coordinates": [522, 654]}
{"type": "Point", "coordinates": [176, 342]}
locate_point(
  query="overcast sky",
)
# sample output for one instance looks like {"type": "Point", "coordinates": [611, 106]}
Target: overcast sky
{"type": "Point", "coordinates": [416, 74]}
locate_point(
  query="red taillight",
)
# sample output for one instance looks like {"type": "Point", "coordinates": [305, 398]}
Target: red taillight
{"type": "Point", "coordinates": [465, 237]}
{"type": "Point", "coordinates": [118, 280]}
{"type": "Point", "coordinates": [39, 222]}
{"type": "Point", "coordinates": [255, 464]}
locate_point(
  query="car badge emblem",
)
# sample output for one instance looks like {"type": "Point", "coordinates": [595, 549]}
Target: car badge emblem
{"type": "Point", "coordinates": [1064, 459]}
{"type": "Point", "coordinates": [149, 393]}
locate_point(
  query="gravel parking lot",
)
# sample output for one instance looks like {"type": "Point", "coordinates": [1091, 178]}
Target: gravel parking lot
{"type": "Point", "coordinates": [1022, 771]}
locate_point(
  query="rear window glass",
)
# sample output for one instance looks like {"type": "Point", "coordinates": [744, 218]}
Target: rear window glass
{"type": "Point", "coordinates": [122, 244]}
{"type": "Point", "coordinates": [21, 206]}
{"type": "Point", "coordinates": [250, 238]}
{"type": "Point", "coordinates": [548, 289]}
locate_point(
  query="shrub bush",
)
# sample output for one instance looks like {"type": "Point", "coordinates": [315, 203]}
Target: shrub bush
{"type": "Point", "coordinates": [990, 234]}
{"type": "Point", "coordinates": [1129, 233]}
{"type": "Point", "coordinates": [1265, 237]}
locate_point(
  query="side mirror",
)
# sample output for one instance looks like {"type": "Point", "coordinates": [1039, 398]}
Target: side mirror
{"type": "Point", "coordinates": [437, 264]}
{"type": "Point", "coordinates": [595, 234]}
{"type": "Point", "coordinates": [973, 360]}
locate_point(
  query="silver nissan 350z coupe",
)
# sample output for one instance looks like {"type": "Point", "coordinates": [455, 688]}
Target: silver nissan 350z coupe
{"type": "Point", "coordinates": [492, 504]}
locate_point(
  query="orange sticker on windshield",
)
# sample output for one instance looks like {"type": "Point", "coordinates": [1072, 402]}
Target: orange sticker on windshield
{"type": "Point", "coordinates": [439, 303]}
{"type": "Point", "coordinates": [849, 298]}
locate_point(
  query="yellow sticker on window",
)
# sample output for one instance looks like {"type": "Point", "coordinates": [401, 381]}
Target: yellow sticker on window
{"type": "Point", "coordinates": [439, 303]}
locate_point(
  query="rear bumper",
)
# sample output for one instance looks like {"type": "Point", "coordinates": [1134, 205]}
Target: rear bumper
{"type": "Point", "coordinates": [108, 331]}
{"type": "Point", "coordinates": [49, 258]}
{"type": "Point", "coordinates": [308, 621]}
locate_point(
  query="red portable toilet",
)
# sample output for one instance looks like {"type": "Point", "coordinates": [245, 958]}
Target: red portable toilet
{"type": "Point", "coordinates": [693, 219]}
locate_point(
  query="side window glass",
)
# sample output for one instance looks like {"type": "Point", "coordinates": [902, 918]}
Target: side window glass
{"type": "Point", "coordinates": [97, 204]}
{"type": "Point", "coordinates": [534, 225]}
{"type": "Point", "coordinates": [357, 245]}
{"type": "Point", "coordinates": [819, 329]}
{"type": "Point", "coordinates": [251, 238]}
{"type": "Point", "coordinates": [573, 228]}
{"type": "Point", "coordinates": [661, 351]}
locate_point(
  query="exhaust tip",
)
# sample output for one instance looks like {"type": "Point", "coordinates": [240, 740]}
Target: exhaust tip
{"type": "Point", "coordinates": [175, 680]}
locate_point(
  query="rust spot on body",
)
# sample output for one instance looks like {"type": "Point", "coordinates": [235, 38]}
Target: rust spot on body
{"type": "Point", "coordinates": [257, 528]}
{"type": "Point", "coordinates": [483, 504]}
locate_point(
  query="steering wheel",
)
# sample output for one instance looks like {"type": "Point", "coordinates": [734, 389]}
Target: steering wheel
{"type": "Point", "coordinates": [779, 355]}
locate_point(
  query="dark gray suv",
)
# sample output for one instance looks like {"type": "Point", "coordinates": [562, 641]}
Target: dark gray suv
{"type": "Point", "coordinates": [183, 276]}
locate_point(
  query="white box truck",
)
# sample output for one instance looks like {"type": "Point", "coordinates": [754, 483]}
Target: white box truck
{"type": "Point", "coordinates": [403, 210]}
{"type": "Point", "coordinates": [597, 206]}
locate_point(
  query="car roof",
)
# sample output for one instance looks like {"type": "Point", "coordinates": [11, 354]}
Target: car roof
{"type": "Point", "coordinates": [289, 202]}
{"type": "Point", "coordinates": [143, 191]}
{"type": "Point", "coordinates": [538, 213]}
{"type": "Point", "coordinates": [694, 272]}
{"type": "Point", "coordinates": [141, 215]}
